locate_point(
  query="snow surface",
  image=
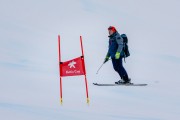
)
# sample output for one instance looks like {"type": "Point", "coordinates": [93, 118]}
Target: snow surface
{"type": "Point", "coordinates": [29, 76]}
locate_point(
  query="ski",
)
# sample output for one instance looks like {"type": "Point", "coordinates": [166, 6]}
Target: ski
{"type": "Point", "coordinates": [128, 84]}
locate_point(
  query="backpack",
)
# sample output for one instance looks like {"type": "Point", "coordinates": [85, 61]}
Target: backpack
{"type": "Point", "coordinates": [125, 48]}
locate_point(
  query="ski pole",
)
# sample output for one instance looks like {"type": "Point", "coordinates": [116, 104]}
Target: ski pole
{"type": "Point", "coordinates": [99, 68]}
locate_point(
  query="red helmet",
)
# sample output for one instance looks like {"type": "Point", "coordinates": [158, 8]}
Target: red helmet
{"type": "Point", "coordinates": [112, 28]}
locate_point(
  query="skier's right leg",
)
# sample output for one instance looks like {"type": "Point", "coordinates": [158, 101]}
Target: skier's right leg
{"type": "Point", "coordinates": [118, 67]}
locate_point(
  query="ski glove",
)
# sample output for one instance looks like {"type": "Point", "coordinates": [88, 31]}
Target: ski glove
{"type": "Point", "coordinates": [117, 55]}
{"type": "Point", "coordinates": [106, 59]}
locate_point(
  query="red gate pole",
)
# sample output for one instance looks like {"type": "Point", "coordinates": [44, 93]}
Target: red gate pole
{"type": "Point", "coordinates": [59, 51]}
{"type": "Point", "coordinates": [87, 95]}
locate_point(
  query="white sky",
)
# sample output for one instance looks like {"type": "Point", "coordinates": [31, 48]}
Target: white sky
{"type": "Point", "coordinates": [29, 59]}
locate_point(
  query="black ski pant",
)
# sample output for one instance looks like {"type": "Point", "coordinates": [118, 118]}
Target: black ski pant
{"type": "Point", "coordinates": [118, 67]}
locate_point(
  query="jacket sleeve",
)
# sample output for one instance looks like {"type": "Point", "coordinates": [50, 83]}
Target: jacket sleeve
{"type": "Point", "coordinates": [108, 55]}
{"type": "Point", "coordinates": [119, 41]}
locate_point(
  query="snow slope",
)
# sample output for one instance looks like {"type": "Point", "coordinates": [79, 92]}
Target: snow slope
{"type": "Point", "coordinates": [29, 77]}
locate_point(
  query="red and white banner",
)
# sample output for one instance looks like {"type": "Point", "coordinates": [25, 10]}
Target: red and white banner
{"type": "Point", "coordinates": [73, 67]}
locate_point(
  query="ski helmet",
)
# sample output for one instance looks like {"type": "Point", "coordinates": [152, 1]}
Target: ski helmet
{"type": "Point", "coordinates": [112, 28]}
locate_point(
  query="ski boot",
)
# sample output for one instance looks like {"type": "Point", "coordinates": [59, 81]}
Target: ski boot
{"type": "Point", "coordinates": [126, 79]}
{"type": "Point", "coordinates": [120, 82]}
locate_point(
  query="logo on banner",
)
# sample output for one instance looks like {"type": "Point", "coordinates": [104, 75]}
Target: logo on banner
{"type": "Point", "coordinates": [72, 64]}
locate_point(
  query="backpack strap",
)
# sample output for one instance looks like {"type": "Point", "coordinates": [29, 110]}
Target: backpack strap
{"type": "Point", "coordinates": [123, 50]}
{"type": "Point", "coordinates": [124, 59]}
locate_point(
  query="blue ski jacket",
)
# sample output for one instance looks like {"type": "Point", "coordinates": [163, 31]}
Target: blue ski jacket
{"type": "Point", "coordinates": [115, 45]}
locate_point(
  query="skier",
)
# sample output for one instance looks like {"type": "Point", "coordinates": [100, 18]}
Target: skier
{"type": "Point", "coordinates": [116, 53]}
